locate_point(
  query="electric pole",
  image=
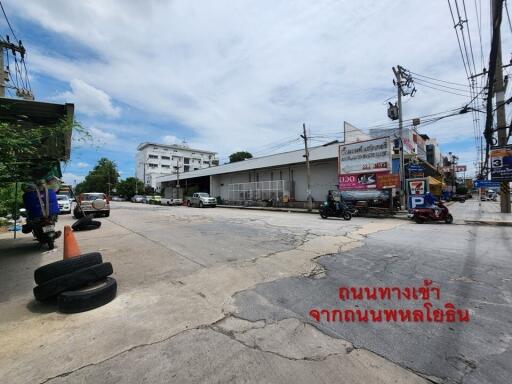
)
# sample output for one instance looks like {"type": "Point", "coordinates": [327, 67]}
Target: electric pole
{"type": "Point", "coordinates": [177, 168]}
{"type": "Point", "coordinates": [398, 76]}
{"type": "Point", "coordinates": [4, 75]}
{"type": "Point", "coordinates": [306, 155]}
{"type": "Point", "coordinates": [499, 92]}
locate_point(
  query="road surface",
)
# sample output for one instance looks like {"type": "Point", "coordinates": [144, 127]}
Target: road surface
{"type": "Point", "coordinates": [223, 295]}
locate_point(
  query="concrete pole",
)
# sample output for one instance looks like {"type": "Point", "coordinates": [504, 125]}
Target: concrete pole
{"type": "Point", "coordinates": [398, 77]}
{"type": "Point", "coordinates": [499, 91]}
{"type": "Point", "coordinates": [2, 74]}
{"type": "Point", "coordinates": [308, 176]}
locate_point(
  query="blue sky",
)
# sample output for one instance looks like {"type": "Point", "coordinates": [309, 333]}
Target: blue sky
{"type": "Point", "coordinates": [228, 76]}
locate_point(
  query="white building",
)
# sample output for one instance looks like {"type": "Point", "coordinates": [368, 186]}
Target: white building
{"type": "Point", "coordinates": [156, 160]}
{"type": "Point", "coordinates": [281, 176]}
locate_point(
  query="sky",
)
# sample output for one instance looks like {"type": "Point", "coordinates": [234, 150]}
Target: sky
{"type": "Point", "coordinates": [226, 76]}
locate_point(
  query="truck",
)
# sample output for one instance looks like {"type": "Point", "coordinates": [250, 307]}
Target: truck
{"type": "Point", "coordinates": [201, 200]}
{"type": "Point", "coordinates": [171, 201]}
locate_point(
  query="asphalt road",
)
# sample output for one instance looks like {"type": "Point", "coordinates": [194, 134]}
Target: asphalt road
{"type": "Point", "coordinates": [223, 295]}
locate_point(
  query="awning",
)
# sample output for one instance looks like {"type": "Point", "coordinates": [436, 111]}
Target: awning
{"type": "Point", "coordinates": [433, 181]}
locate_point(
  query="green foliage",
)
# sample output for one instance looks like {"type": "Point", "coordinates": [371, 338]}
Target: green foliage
{"type": "Point", "coordinates": [8, 198]}
{"type": "Point", "coordinates": [239, 156]}
{"type": "Point", "coordinates": [98, 180]}
{"type": "Point", "coordinates": [24, 149]}
{"type": "Point", "coordinates": [130, 187]}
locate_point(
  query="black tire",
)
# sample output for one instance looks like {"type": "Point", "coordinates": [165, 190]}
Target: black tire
{"type": "Point", "coordinates": [89, 297]}
{"type": "Point", "coordinates": [107, 214]}
{"type": "Point", "coordinates": [94, 224]}
{"type": "Point", "coordinates": [81, 223]}
{"type": "Point", "coordinates": [63, 267]}
{"type": "Point", "coordinates": [347, 216]}
{"type": "Point", "coordinates": [188, 203]}
{"type": "Point", "coordinates": [449, 219]}
{"type": "Point", "coordinates": [323, 215]}
{"type": "Point", "coordinates": [71, 281]}
{"type": "Point", "coordinates": [201, 204]}
{"type": "Point", "coordinates": [418, 220]}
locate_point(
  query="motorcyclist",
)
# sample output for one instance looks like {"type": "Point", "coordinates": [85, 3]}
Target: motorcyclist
{"type": "Point", "coordinates": [431, 202]}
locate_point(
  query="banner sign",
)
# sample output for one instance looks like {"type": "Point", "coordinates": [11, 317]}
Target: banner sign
{"type": "Point", "coordinates": [456, 168]}
{"type": "Point", "coordinates": [365, 156]}
{"type": "Point", "coordinates": [486, 184]}
{"type": "Point", "coordinates": [501, 163]}
{"type": "Point", "coordinates": [415, 168]}
{"type": "Point", "coordinates": [388, 180]}
{"type": "Point", "coordinates": [357, 181]}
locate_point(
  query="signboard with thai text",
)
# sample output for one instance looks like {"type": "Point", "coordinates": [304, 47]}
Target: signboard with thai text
{"type": "Point", "coordinates": [358, 181]}
{"type": "Point", "coordinates": [365, 156]}
{"type": "Point", "coordinates": [501, 163]}
{"type": "Point", "coordinates": [388, 180]}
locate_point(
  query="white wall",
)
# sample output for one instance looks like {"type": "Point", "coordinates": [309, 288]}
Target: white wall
{"type": "Point", "coordinates": [324, 176]}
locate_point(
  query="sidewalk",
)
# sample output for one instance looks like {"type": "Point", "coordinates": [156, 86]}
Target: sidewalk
{"type": "Point", "coordinates": [470, 212]}
{"type": "Point", "coordinates": [474, 211]}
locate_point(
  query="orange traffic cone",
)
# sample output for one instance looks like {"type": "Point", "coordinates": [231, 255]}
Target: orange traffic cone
{"type": "Point", "coordinates": [71, 248]}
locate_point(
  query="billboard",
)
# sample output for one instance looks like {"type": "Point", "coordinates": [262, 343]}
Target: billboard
{"type": "Point", "coordinates": [417, 187]}
{"type": "Point", "coordinates": [358, 181]}
{"type": "Point", "coordinates": [365, 156]}
{"type": "Point", "coordinates": [501, 163]}
{"type": "Point", "coordinates": [388, 180]}
{"type": "Point", "coordinates": [456, 168]}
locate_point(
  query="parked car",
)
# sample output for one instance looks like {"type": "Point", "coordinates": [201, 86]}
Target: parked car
{"type": "Point", "coordinates": [117, 198]}
{"type": "Point", "coordinates": [138, 199]}
{"type": "Point", "coordinates": [64, 203]}
{"type": "Point", "coordinates": [92, 203]}
{"type": "Point", "coordinates": [202, 199]}
{"type": "Point", "coordinates": [171, 201]}
{"type": "Point", "coordinates": [156, 200]}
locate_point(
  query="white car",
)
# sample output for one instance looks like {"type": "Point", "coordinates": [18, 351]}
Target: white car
{"type": "Point", "coordinates": [171, 201]}
{"type": "Point", "coordinates": [201, 200]}
{"type": "Point", "coordinates": [64, 203]}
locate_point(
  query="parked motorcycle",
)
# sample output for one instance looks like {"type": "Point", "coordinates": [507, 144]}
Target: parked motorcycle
{"type": "Point", "coordinates": [335, 210]}
{"type": "Point", "coordinates": [422, 215]}
{"type": "Point", "coordinates": [43, 230]}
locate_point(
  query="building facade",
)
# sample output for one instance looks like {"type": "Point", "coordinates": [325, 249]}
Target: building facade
{"type": "Point", "coordinates": [155, 160]}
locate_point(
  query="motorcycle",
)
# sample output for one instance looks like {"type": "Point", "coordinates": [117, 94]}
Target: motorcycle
{"type": "Point", "coordinates": [422, 215]}
{"type": "Point", "coordinates": [43, 230]}
{"type": "Point", "coordinates": [335, 210]}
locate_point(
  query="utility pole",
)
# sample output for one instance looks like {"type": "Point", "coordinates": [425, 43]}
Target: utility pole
{"type": "Point", "coordinates": [499, 92]}
{"type": "Point", "coordinates": [398, 76]}
{"type": "Point", "coordinates": [14, 48]}
{"type": "Point", "coordinates": [177, 167]}
{"type": "Point", "coordinates": [306, 155]}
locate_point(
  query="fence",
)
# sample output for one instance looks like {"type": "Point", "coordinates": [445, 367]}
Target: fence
{"type": "Point", "coordinates": [259, 190]}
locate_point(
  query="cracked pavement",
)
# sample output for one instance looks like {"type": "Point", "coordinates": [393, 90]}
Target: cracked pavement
{"type": "Point", "coordinates": [222, 295]}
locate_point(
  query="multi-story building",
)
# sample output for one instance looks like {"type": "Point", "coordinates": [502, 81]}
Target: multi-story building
{"type": "Point", "coordinates": [154, 160]}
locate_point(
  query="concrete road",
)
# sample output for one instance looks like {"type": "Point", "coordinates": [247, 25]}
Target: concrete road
{"type": "Point", "coordinates": [223, 295]}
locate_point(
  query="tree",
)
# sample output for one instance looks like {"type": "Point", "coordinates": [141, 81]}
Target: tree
{"type": "Point", "coordinates": [129, 187]}
{"type": "Point", "coordinates": [103, 178]}
{"type": "Point", "coordinates": [239, 156]}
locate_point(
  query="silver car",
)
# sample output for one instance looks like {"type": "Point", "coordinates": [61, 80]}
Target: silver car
{"type": "Point", "coordinates": [201, 200]}
{"type": "Point", "coordinates": [64, 203]}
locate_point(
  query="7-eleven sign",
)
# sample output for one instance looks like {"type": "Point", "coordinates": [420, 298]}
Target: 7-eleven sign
{"type": "Point", "coordinates": [417, 187]}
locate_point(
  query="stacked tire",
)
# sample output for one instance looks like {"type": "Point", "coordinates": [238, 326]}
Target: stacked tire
{"type": "Point", "coordinates": [79, 284]}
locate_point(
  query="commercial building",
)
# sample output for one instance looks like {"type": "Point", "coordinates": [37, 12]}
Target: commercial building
{"type": "Point", "coordinates": [156, 160]}
{"type": "Point", "coordinates": [368, 162]}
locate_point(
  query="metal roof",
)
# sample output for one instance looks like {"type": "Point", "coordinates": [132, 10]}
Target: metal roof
{"type": "Point", "coordinates": [280, 159]}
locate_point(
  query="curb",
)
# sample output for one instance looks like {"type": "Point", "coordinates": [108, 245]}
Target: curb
{"type": "Point", "coordinates": [489, 223]}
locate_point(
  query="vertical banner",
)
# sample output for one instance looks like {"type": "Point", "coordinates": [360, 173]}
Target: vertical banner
{"type": "Point", "coordinates": [501, 163]}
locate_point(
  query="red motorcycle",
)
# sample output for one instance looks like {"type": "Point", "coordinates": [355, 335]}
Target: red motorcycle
{"type": "Point", "coordinates": [441, 213]}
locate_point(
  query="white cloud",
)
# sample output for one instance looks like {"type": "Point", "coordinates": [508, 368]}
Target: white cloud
{"type": "Point", "coordinates": [82, 165]}
{"type": "Point", "coordinates": [102, 137]}
{"type": "Point", "coordinates": [71, 178]}
{"type": "Point", "coordinates": [170, 139]}
{"type": "Point", "coordinates": [241, 75]}
{"type": "Point", "coordinates": [89, 100]}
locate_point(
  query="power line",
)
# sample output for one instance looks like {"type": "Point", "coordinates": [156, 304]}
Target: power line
{"type": "Point", "coordinates": [8, 23]}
